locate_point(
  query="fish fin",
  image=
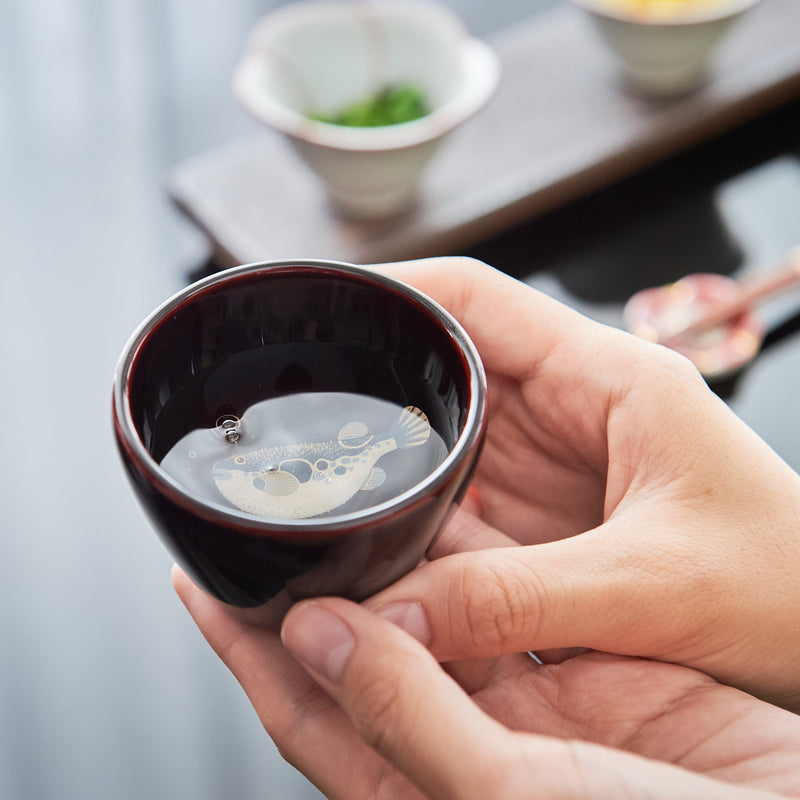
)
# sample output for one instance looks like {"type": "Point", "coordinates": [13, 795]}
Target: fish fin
{"type": "Point", "coordinates": [353, 435]}
{"type": "Point", "coordinates": [277, 484]}
{"type": "Point", "coordinates": [375, 479]}
{"type": "Point", "coordinates": [411, 428]}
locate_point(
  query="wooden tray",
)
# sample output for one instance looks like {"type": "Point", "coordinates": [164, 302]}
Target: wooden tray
{"type": "Point", "coordinates": [560, 126]}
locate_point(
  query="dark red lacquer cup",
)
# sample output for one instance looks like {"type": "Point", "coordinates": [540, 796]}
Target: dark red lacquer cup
{"type": "Point", "coordinates": [280, 421]}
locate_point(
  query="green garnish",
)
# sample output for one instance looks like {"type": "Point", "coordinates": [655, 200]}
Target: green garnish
{"type": "Point", "coordinates": [389, 106]}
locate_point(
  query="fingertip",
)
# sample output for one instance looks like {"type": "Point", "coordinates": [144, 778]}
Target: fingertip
{"type": "Point", "coordinates": [473, 502]}
{"type": "Point", "coordinates": [318, 638]}
{"type": "Point", "coordinates": [182, 584]}
{"type": "Point", "coordinates": [409, 617]}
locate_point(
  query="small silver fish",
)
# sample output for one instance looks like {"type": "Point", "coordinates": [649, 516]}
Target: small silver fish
{"type": "Point", "coordinates": [305, 480]}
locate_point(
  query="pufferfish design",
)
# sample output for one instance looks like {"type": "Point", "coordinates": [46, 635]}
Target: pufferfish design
{"type": "Point", "coordinates": [305, 480]}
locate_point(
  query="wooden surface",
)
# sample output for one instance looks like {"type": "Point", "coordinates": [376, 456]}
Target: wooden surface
{"type": "Point", "coordinates": [560, 126]}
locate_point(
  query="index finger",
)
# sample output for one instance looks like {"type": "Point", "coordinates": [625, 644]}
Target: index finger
{"type": "Point", "coordinates": [514, 326]}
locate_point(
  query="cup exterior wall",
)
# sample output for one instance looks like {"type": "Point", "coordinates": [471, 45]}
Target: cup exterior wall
{"type": "Point", "coordinates": [247, 569]}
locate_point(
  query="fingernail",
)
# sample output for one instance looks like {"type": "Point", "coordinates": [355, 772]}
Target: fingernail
{"type": "Point", "coordinates": [319, 639]}
{"type": "Point", "coordinates": [410, 617]}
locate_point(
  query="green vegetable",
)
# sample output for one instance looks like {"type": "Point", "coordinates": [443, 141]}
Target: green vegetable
{"type": "Point", "coordinates": [389, 106]}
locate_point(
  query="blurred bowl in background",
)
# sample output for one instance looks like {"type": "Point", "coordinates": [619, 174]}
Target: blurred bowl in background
{"type": "Point", "coordinates": [320, 56]}
{"type": "Point", "coordinates": [664, 47]}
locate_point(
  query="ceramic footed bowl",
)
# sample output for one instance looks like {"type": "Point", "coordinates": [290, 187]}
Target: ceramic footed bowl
{"type": "Point", "coordinates": [664, 47]}
{"type": "Point", "coordinates": [319, 56]}
{"type": "Point", "coordinates": [299, 425]}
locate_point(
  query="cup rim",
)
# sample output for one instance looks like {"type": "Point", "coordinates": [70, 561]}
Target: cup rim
{"type": "Point", "coordinates": [716, 13]}
{"type": "Point", "coordinates": [131, 442]}
{"type": "Point", "coordinates": [478, 61]}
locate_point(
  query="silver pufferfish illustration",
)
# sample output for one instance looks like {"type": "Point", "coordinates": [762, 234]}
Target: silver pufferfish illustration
{"type": "Point", "coordinates": [305, 480]}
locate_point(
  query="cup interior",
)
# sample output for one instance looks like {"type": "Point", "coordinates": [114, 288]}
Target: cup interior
{"type": "Point", "coordinates": [292, 331]}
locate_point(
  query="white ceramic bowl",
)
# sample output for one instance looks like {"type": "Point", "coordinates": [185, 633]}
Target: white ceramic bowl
{"type": "Point", "coordinates": [322, 55]}
{"type": "Point", "coordinates": [664, 48]}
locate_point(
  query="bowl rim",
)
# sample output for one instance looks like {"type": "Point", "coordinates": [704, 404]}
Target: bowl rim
{"type": "Point", "coordinates": [716, 13]}
{"type": "Point", "coordinates": [129, 440]}
{"type": "Point", "coordinates": [477, 60]}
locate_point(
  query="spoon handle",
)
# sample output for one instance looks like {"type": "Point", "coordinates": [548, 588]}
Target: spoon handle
{"type": "Point", "coordinates": [751, 291]}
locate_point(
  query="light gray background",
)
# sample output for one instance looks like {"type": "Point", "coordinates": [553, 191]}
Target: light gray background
{"type": "Point", "coordinates": [107, 690]}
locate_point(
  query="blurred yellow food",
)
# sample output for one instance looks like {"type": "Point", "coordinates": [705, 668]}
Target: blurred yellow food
{"type": "Point", "coordinates": [662, 10]}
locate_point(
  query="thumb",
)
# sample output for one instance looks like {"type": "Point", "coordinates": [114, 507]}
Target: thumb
{"type": "Point", "coordinates": [398, 697]}
{"type": "Point", "coordinates": [597, 590]}
{"type": "Point", "coordinates": [412, 713]}
{"type": "Point", "coordinates": [416, 716]}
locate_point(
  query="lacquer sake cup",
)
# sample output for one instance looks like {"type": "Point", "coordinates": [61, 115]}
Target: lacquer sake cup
{"type": "Point", "coordinates": [307, 425]}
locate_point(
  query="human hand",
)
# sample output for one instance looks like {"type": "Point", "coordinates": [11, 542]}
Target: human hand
{"type": "Point", "coordinates": [376, 718]}
{"type": "Point", "coordinates": [689, 525]}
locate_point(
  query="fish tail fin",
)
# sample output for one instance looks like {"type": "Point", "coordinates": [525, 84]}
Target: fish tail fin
{"type": "Point", "coordinates": [411, 428]}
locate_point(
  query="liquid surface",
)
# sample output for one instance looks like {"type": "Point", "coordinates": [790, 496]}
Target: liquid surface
{"type": "Point", "coordinates": [309, 455]}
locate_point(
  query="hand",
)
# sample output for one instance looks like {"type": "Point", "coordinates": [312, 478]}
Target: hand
{"type": "Point", "coordinates": [663, 527]}
{"type": "Point", "coordinates": [552, 732]}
